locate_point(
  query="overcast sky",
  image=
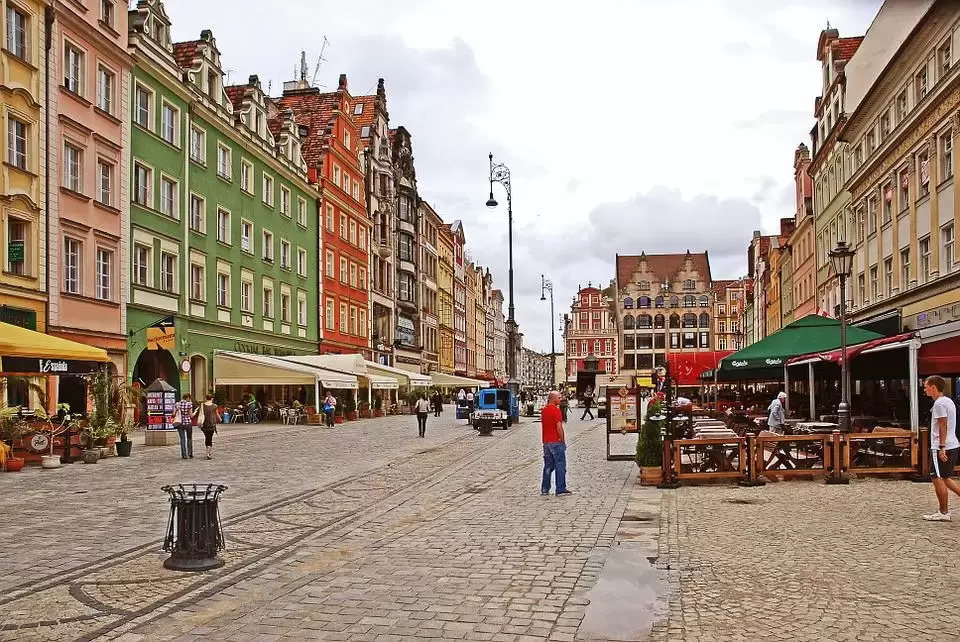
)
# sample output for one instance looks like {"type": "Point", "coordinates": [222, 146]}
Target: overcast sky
{"type": "Point", "coordinates": [628, 125]}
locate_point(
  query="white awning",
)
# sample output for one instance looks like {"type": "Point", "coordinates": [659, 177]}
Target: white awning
{"type": "Point", "coordinates": [351, 364]}
{"type": "Point", "coordinates": [242, 369]}
{"type": "Point", "coordinates": [413, 379]}
{"type": "Point", "coordinates": [453, 381]}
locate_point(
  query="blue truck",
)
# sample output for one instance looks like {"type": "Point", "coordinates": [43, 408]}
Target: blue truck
{"type": "Point", "coordinates": [495, 407]}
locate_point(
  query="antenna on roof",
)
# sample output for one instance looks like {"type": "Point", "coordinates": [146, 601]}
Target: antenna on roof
{"type": "Point", "coordinates": [229, 71]}
{"type": "Point", "coordinates": [828, 25]}
{"type": "Point", "coordinates": [320, 61]}
{"type": "Point", "coordinates": [269, 85]}
{"type": "Point", "coordinates": [303, 65]}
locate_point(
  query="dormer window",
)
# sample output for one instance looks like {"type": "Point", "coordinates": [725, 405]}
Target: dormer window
{"type": "Point", "coordinates": [212, 85]}
{"type": "Point", "coordinates": [258, 122]}
{"type": "Point", "coordinates": [358, 109]}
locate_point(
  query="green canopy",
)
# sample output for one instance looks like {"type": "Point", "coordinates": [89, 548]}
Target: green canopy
{"type": "Point", "coordinates": [812, 333]}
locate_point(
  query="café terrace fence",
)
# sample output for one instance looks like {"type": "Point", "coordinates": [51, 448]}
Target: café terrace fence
{"type": "Point", "coordinates": [835, 455]}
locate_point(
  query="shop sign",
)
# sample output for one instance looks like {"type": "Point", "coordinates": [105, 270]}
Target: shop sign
{"type": "Point", "coordinates": [622, 409]}
{"type": "Point", "coordinates": [48, 366]}
{"type": "Point", "coordinates": [935, 316]}
{"type": "Point", "coordinates": [259, 348]}
{"type": "Point", "coordinates": [408, 360]}
{"type": "Point", "coordinates": [15, 252]}
{"type": "Point", "coordinates": [19, 317]}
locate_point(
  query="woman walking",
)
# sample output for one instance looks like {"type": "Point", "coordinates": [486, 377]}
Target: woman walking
{"type": "Point", "coordinates": [423, 407]}
{"type": "Point", "coordinates": [329, 408]}
{"type": "Point", "coordinates": [210, 420]}
{"type": "Point", "coordinates": [183, 420]}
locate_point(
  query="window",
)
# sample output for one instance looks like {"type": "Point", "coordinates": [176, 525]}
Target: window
{"type": "Point", "coordinates": [329, 221]}
{"type": "Point", "coordinates": [924, 247]}
{"type": "Point", "coordinates": [407, 287]}
{"type": "Point", "coordinates": [223, 226]}
{"type": "Point", "coordinates": [72, 68]}
{"type": "Point", "coordinates": [346, 139]}
{"type": "Point", "coordinates": [141, 264]}
{"type": "Point", "coordinates": [888, 277]}
{"type": "Point", "coordinates": [143, 100]}
{"type": "Point", "coordinates": [363, 325]}
{"type": "Point", "coordinates": [884, 125]}
{"type": "Point", "coordinates": [301, 261]}
{"type": "Point", "coordinates": [946, 239]}
{"type": "Point", "coordinates": [871, 141]}
{"type": "Point", "coordinates": [16, 142]}
{"type": "Point", "coordinates": [946, 156]}
{"type": "Point", "coordinates": [72, 170]}
{"type": "Point", "coordinates": [901, 107]}
{"type": "Point", "coordinates": [107, 12]}
{"type": "Point", "coordinates": [923, 165]}
{"type": "Point", "coordinates": [104, 182]}
{"type": "Point", "coordinates": [874, 282]}
{"type": "Point", "coordinates": [168, 272]}
{"type": "Point", "coordinates": [362, 239]}
{"type": "Point", "coordinates": [104, 274]}
{"type": "Point", "coordinates": [346, 183]}
{"type": "Point", "coordinates": [223, 290]}
{"type": "Point", "coordinates": [343, 270]}
{"type": "Point", "coordinates": [285, 254]}
{"type": "Point", "coordinates": [284, 307]}
{"type": "Point", "coordinates": [356, 190]}
{"type": "Point", "coordinates": [329, 322]}
{"type": "Point", "coordinates": [944, 58]}
{"type": "Point", "coordinates": [904, 269]}
{"type": "Point", "coordinates": [198, 145]}
{"type": "Point", "coordinates": [365, 130]}
{"type": "Point", "coordinates": [267, 302]}
{"type": "Point", "coordinates": [353, 320]}
{"type": "Point", "coordinates": [343, 318]}
{"type": "Point", "coordinates": [301, 212]}
{"type": "Point", "coordinates": [246, 296]}
{"type": "Point", "coordinates": [224, 163]}
{"type": "Point", "coordinates": [362, 280]}
{"type": "Point", "coordinates": [862, 287]}
{"type": "Point", "coordinates": [71, 266]}
{"type": "Point", "coordinates": [17, 246]}
{"type": "Point", "coordinates": [197, 214]}
{"type": "Point", "coordinates": [353, 275]}
{"type": "Point", "coordinates": [872, 215]}
{"type": "Point", "coordinates": [246, 236]}
{"type": "Point", "coordinates": [168, 197]}
{"type": "Point", "coordinates": [267, 246]}
{"type": "Point", "coordinates": [196, 282]}
{"type": "Point", "coordinates": [268, 190]}
{"type": "Point", "coordinates": [284, 201]}
{"type": "Point", "coordinates": [328, 268]}
{"type": "Point", "coordinates": [353, 232]}
{"type": "Point", "coordinates": [920, 84]}
{"type": "Point", "coordinates": [857, 157]}
{"type": "Point", "coordinates": [887, 192]}
{"type": "Point", "coordinates": [142, 179]}
{"type": "Point", "coordinates": [16, 32]}
{"type": "Point", "coordinates": [336, 175]}
{"type": "Point", "coordinates": [302, 312]}
{"type": "Point", "coordinates": [105, 84]}
{"type": "Point", "coordinates": [904, 200]}
{"type": "Point", "coordinates": [343, 226]}
{"type": "Point", "coordinates": [168, 124]}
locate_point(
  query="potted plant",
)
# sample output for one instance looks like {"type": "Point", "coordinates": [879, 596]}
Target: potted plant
{"type": "Point", "coordinates": [378, 406]}
{"type": "Point", "coordinates": [650, 444]}
{"type": "Point", "coordinates": [351, 408]}
{"type": "Point", "coordinates": [68, 423]}
{"type": "Point", "coordinates": [122, 430]}
{"type": "Point", "coordinates": [101, 423]}
{"type": "Point", "coordinates": [365, 412]}
{"type": "Point", "coordinates": [11, 428]}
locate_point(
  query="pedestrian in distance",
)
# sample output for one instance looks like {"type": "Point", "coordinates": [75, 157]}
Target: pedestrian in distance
{"type": "Point", "coordinates": [777, 416]}
{"type": "Point", "coordinates": [564, 406]}
{"type": "Point", "coordinates": [209, 426]}
{"type": "Point", "coordinates": [183, 421]}
{"type": "Point", "coordinates": [329, 409]}
{"type": "Point", "coordinates": [470, 400]}
{"type": "Point", "coordinates": [437, 403]}
{"type": "Point", "coordinates": [587, 404]}
{"type": "Point", "coordinates": [945, 445]}
{"type": "Point", "coordinates": [423, 408]}
{"type": "Point", "coordinates": [554, 446]}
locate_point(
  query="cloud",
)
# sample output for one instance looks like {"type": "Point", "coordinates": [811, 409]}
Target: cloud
{"type": "Point", "coordinates": [794, 118]}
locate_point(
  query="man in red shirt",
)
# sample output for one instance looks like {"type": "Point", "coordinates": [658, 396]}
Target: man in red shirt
{"type": "Point", "coordinates": [554, 447]}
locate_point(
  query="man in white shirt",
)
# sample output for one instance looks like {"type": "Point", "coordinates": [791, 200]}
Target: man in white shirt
{"type": "Point", "coordinates": [945, 446]}
{"type": "Point", "coordinates": [470, 399]}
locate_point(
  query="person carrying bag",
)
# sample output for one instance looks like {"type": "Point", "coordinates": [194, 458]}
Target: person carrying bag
{"type": "Point", "coordinates": [210, 420]}
{"type": "Point", "coordinates": [183, 422]}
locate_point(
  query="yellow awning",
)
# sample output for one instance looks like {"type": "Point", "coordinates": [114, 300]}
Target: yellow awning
{"type": "Point", "coordinates": [28, 344]}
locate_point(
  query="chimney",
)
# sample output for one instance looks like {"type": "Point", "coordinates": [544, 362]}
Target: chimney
{"type": "Point", "coordinates": [342, 83]}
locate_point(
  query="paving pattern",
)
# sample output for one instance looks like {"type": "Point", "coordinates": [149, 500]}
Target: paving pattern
{"type": "Point", "coordinates": [362, 533]}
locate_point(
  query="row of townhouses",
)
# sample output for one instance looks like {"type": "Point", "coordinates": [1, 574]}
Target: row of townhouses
{"type": "Point", "coordinates": [154, 210]}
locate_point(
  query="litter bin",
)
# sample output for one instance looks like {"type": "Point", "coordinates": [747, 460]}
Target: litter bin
{"type": "Point", "coordinates": [194, 534]}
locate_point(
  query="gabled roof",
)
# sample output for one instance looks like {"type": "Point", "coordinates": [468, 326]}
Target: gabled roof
{"type": "Point", "coordinates": [844, 48]}
{"type": "Point", "coordinates": [720, 287]}
{"type": "Point", "coordinates": [186, 52]}
{"type": "Point", "coordinates": [662, 265]}
{"type": "Point", "coordinates": [236, 94]}
{"type": "Point", "coordinates": [315, 110]}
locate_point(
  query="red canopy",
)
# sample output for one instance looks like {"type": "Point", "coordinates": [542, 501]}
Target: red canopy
{"type": "Point", "coordinates": [686, 367]}
{"type": "Point", "coordinates": [833, 356]}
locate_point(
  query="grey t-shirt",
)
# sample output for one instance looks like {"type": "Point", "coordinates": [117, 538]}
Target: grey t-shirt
{"type": "Point", "coordinates": [944, 407]}
{"type": "Point", "coordinates": [776, 413]}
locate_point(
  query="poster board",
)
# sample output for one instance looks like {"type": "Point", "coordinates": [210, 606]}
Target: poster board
{"type": "Point", "coordinates": [622, 419]}
{"type": "Point", "coordinates": [161, 401]}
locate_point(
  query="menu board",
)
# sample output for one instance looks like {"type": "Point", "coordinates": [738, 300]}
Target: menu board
{"type": "Point", "coordinates": [160, 409]}
{"type": "Point", "coordinates": [623, 412]}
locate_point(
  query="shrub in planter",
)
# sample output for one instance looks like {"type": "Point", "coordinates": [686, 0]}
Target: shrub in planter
{"type": "Point", "coordinates": [351, 408]}
{"type": "Point", "coordinates": [11, 429]}
{"type": "Point", "coordinates": [378, 406]}
{"type": "Point", "coordinates": [649, 455]}
{"type": "Point", "coordinates": [365, 412]}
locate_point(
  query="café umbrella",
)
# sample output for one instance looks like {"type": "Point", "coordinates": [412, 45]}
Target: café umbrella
{"type": "Point", "coordinates": [24, 351]}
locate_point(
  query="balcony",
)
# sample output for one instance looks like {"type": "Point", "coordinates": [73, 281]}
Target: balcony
{"type": "Point", "coordinates": [384, 249]}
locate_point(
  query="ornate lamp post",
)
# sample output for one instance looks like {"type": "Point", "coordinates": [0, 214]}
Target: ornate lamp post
{"type": "Point", "coordinates": [500, 173]}
{"type": "Point", "coordinates": [841, 257]}
{"type": "Point", "coordinates": [547, 286]}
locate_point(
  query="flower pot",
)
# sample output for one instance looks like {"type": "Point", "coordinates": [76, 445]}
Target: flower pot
{"type": "Point", "coordinates": [14, 464]}
{"type": "Point", "coordinates": [352, 415]}
{"type": "Point", "coordinates": [338, 419]}
{"type": "Point", "coordinates": [650, 475]}
{"type": "Point", "coordinates": [50, 461]}
{"type": "Point", "coordinates": [378, 412]}
{"type": "Point", "coordinates": [90, 455]}
{"type": "Point", "coordinates": [366, 413]}
{"type": "Point", "coordinates": [123, 448]}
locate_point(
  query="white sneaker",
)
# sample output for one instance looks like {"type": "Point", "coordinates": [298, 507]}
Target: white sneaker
{"type": "Point", "coordinates": [938, 517]}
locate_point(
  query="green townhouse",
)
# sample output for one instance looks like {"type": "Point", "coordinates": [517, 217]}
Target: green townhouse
{"type": "Point", "coordinates": [224, 228]}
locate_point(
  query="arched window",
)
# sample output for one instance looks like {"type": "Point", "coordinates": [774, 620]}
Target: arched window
{"type": "Point", "coordinates": [658, 302]}
{"type": "Point", "coordinates": [689, 320]}
{"type": "Point", "coordinates": [643, 302]}
{"type": "Point", "coordinates": [628, 322]}
{"type": "Point", "coordinates": [674, 320]}
{"type": "Point", "coordinates": [689, 301]}
{"type": "Point", "coordinates": [644, 321]}
{"type": "Point", "coordinates": [628, 304]}
{"type": "Point", "coordinates": [704, 320]}
{"type": "Point", "coordinates": [674, 302]}
{"type": "Point", "coordinates": [658, 321]}
{"type": "Point", "coordinates": [704, 301]}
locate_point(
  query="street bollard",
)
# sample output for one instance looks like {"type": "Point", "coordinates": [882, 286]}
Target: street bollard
{"type": "Point", "coordinates": [194, 533]}
{"type": "Point", "coordinates": [667, 479]}
{"type": "Point", "coordinates": [836, 475]}
{"type": "Point", "coordinates": [753, 475]}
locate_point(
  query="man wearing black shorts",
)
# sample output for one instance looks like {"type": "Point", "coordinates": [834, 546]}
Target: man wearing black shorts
{"type": "Point", "coordinates": [945, 445]}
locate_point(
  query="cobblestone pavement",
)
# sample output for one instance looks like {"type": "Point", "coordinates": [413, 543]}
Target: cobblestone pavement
{"type": "Point", "coordinates": [364, 532]}
{"type": "Point", "coordinates": [805, 561]}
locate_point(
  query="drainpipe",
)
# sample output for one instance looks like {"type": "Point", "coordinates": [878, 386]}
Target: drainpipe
{"type": "Point", "coordinates": [185, 263]}
{"type": "Point", "coordinates": [48, 19]}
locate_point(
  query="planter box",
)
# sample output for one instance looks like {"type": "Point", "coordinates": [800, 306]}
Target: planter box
{"type": "Point", "coordinates": [366, 414]}
{"type": "Point", "coordinates": [352, 415]}
{"type": "Point", "coordinates": [650, 476]}
{"type": "Point", "coordinates": [338, 419]}
{"type": "Point", "coordinates": [378, 412]}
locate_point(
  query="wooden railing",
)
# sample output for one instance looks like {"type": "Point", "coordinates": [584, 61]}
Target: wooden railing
{"type": "Point", "coordinates": [748, 459]}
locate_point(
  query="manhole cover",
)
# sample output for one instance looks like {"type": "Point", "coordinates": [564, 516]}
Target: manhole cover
{"type": "Point", "coordinates": [741, 501]}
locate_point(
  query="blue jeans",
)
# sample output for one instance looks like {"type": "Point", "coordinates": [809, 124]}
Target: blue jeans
{"type": "Point", "coordinates": [186, 439]}
{"type": "Point", "coordinates": [554, 459]}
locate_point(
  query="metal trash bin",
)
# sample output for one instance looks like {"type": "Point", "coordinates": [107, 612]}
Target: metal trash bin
{"type": "Point", "coordinates": [194, 533]}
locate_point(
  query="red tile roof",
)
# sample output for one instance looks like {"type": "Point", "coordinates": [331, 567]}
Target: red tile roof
{"type": "Point", "coordinates": [720, 287]}
{"type": "Point", "coordinates": [664, 266]}
{"type": "Point", "coordinates": [236, 93]}
{"type": "Point", "coordinates": [186, 52]}
{"type": "Point", "coordinates": [844, 48]}
{"type": "Point", "coordinates": [369, 113]}
{"type": "Point", "coordinates": [315, 110]}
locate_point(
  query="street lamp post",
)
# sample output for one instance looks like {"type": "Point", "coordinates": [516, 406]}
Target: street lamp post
{"type": "Point", "coordinates": [547, 286]}
{"type": "Point", "coordinates": [500, 173]}
{"type": "Point", "coordinates": [841, 257]}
